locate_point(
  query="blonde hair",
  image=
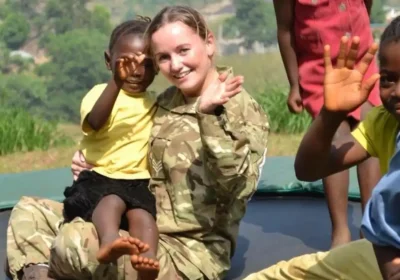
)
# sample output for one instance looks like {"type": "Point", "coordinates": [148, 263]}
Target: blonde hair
{"type": "Point", "coordinates": [184, 14]}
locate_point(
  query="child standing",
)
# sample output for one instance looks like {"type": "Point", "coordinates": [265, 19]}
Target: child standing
{"type": "Point", "coordinates": [374, 137]}
{"type": "Point", "coordinates": [116, 120]}
{"type": "Point", "coordinates": [304, 27]}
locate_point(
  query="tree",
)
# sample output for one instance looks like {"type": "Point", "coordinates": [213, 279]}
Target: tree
{"type": "Point", "coordinates": [100, 19]}
{"type": "Point", "coordinates": [255, 20]}
{"type": "Point", "coordinates": [24, 91]}
{"type": "Point", "coordinates": [377, 12]}
{"type": "Point", "coordinates": [14, 31]}
{"type": "Point", "coordinates": [27, 8]}
{"type": "Point", "coordinates": [230, 30]}
{"type": "Point", "coordinates": [64, 16]}
{"type": "Point", "coordinates": [77, 64]}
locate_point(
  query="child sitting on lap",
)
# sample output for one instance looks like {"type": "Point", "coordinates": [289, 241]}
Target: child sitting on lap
{"type": "Point", "coordinates": [116, 119]}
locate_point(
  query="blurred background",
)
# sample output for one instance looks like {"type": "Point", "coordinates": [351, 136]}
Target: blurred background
{"type": "Point", "coordinates": [51, 54]}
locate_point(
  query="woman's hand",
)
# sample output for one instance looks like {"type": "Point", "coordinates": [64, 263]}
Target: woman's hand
{"type": "Point", "coordinates": [79, 164]}
{"type": "Point", "coordinates": [344, 90]}
{"type": "Point", "coordinates": [219, 92]}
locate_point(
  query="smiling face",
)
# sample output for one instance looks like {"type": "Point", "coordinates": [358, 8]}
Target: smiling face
{"type": "Point", "coordinates": [144, 75]}
{"type": "Point", "coordinates": [184, 57]}
{"type": "Point", "coordinates": [390, 77]}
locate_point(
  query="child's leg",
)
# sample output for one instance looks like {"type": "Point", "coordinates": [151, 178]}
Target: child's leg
{"type": "Point", "coordinates": [336, 192]}
{"type": "Point", "coordinates": [107, 219]}
{"type": "Point", "coordinates": [142, 225]}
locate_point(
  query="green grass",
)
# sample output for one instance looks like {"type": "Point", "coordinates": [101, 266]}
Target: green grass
{"type": "Point", "coordinates": [20, 132]}
{"type": "Point", "coordinates": [274, 103]}
{"type": "Point", "coordinates": [59, 157]}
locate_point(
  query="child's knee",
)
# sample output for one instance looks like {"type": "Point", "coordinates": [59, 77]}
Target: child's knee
{"type": "Point", "coordinates": [113, 200]}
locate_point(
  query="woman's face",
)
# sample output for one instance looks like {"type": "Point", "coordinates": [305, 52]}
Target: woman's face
{"type": "Point", "coordinates": [183, 57]}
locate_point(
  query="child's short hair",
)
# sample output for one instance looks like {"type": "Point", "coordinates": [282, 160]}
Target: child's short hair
{"type": "Point", "coordinates": [131, 27]}
{"type": "Point", "coordinates": [390, 34]}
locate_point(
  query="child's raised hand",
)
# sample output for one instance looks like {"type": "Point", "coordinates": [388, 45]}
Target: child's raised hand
{"type": "Point", "coordinates": [127, 65]}
{"type": "Point", "coordinates": [344, 90]}
{"type": "Point", "coordinates": [219, 92]}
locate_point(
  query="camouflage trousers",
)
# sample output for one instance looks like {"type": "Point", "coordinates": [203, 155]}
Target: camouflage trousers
{"type": "Point", "coordinates": [36, 234]}
{"type": "Point", "coordinates": [352, 261]}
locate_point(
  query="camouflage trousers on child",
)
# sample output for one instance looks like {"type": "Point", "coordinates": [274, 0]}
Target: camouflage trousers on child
{"type": "Point", "coordinates": [36, 235]}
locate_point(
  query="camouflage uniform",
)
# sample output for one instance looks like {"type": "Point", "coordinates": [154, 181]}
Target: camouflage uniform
{"type": "Point", "coordinates": [204, 169]}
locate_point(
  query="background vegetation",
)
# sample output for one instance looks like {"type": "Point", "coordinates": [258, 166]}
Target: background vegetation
{"type": "Point", "coordinates": [66, 40]}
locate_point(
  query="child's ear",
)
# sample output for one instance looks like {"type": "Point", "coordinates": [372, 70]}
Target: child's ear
{"type": "Point", "coordinates": [107, 59]}
{"type": "Point", "coordinates": [210, 44]}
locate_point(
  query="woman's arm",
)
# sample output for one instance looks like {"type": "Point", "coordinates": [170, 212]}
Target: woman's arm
{"type": "Point", "coordinates": [79, 164]}
{"type": "Point", "coordinates": [235, 142]}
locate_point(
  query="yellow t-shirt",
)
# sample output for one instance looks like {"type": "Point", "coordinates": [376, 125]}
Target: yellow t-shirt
{"type": "Point", "coordinates": [377, 135]}
{"type": "Point", "coordinates": [119, 148]}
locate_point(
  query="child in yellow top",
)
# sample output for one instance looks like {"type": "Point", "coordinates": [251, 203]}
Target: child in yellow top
{"type": "Point", "coordinates": [116, 120]}
{"type": "Point", "coordinates": [320, 155]}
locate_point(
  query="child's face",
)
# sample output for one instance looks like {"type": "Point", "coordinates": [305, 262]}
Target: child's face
{"type": "Point", "coordinates": [144, 75]}
{"type": "Point", "coordinates": [390, 77]}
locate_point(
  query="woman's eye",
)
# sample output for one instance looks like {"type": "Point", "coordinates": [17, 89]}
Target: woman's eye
{"type": "Point", "coordinates": [162, 57]}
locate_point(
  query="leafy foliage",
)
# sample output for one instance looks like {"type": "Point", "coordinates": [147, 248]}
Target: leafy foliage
{"type": "Point", "coordinates": [255, 21]}
{"type": "Point", "coordinates": [69, 38]}
{"type": "Point", "coordinates": [377, 12]}
{"type": "Point", "coordinates": [14, 30]}
{"type": "Point", "coordinates": [273, 100]}
{"type": "Point", "coordinates": [76, 65]}
{"type": "Point", "coordinates": [20, 131]}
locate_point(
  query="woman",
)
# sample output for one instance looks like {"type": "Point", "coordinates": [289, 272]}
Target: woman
{"type": "Point", "coordinates": [206, 149]}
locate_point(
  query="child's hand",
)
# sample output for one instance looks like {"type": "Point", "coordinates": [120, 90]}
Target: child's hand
{"type": "Point", "coordinates": [219, 92]}
{"type": "Point", "coordinates": [343, 87]}
{"type": "Point", "coordinates": [126, 66]}
{"type": "Point", "coordinates": [294, 101]}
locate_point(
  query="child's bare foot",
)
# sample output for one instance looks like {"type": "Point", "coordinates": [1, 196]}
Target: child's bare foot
{"type": "Point", "coordinates": [146, 265]}
{"type": "Point", "coordinates": [112, 251]}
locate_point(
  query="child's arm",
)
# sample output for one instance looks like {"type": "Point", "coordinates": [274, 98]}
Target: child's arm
{"type": "Point", "coordinates": [284, 10]}
{"type": "Point", "coordinates": [102, 109]}
{"type": "Point", "coordinates": [104, 105]}
{"type": "Point", "coordinates": [368, 5]}
{"type": "Point", "coordinates": [317, 156]}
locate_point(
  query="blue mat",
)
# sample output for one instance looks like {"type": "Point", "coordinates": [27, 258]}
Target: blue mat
{"type": "Point", "coordinates": [277, 178]}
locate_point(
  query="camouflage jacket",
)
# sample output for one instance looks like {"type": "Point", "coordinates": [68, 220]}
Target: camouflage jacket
{"type": "Point", "coordinates": [204, 170]}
